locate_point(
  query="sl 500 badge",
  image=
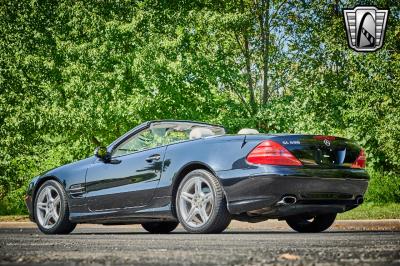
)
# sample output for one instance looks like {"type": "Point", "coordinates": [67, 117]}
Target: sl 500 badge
{"type": "Point", "coordinates": [285, 142]}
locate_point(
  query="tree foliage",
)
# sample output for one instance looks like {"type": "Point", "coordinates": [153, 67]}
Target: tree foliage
{"type": "Point", "coordinates": [76, 73]}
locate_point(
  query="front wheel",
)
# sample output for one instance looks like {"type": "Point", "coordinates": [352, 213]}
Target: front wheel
{"type": "Point", "coordinates": [51, 209]}
{"type": "Point", "coordinates": [160, 227]}
{"type": "Point", "coordinates": [311, 224]}
{"type": "Point", "coordinates": [200, 203]}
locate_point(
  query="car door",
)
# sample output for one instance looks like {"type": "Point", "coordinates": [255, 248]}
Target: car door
{"type": "Point", "coordinates": [130, 178]}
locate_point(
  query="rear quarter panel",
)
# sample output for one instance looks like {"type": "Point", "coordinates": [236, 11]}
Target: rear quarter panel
{"type": "Point", "coordinates": [221, 153]}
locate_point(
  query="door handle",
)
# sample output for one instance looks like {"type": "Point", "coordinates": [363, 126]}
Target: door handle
{"type": "Point", "coordinates": [154, 157]}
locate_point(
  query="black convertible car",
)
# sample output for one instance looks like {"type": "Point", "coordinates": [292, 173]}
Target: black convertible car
{"type": "Point", "coordinates": [162, 173]}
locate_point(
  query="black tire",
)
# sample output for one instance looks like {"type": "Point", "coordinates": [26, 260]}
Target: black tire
{"type": "Point", "coordinates": [219, 218]}
{"type": "Point", "coordinates": [311, 224]}
{"type": "Point", "coordinates": [63, 225]}
{"type": "Point", "coordinates": [160, 227]}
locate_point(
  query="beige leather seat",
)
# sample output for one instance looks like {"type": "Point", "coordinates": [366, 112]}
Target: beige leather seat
{"type": "Point", "coordinates": [248, 131]}
{"type": "Point", "coordinates": [200, 132]}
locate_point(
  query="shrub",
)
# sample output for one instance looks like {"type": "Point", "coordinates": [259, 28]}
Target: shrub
{"type": "Point", "coordinates": [383, 187]}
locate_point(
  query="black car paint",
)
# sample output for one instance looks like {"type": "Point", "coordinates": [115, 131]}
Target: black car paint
{"type": "Point", "coordinates": [135, 190]}
{"type": "Point", "coordinates": [128, 184]}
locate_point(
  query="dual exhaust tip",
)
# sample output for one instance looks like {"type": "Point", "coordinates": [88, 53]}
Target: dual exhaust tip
{"type": "Point", "coordinates": [289, 200]}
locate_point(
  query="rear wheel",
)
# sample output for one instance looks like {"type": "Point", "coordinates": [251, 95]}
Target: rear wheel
{"type": "Point", "coordinates": [311, 224]}
{"type": "Point", "coordinates": [200, 203]}
{"type": "Point", "coordinates": [51, 209]}
{"type": "Point", "coordinates": [160, 227]}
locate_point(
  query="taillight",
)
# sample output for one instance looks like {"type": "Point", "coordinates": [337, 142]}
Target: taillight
{"type": "Point", "coordinates": [360, 161]}
{"type": "Point", "coordinates": [321, 137]}
{"type": "Point", "coordinates": [270, 152]}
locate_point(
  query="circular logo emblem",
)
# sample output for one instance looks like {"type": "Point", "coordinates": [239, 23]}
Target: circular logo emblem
{"type": "Point", "coordinates": [327, 142]}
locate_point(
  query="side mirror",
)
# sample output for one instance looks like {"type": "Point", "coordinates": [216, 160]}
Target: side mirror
{"type": "Point", "coordinates": [102, 153]}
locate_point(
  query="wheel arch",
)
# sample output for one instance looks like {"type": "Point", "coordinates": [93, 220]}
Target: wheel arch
{"type": "Point", "coordinates": [182, 173]}
{"type": "Point", "coordinates": [39, 183]}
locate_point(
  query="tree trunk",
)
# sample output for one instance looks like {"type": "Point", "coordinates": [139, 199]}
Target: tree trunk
{"type": "Point", "coordinates": [265, 27]}
{"type": "Point", "coordinates": [247, 56]}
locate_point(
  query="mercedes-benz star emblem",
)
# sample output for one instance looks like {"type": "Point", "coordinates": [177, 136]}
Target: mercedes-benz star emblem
{"type": "Point", "coordinates": [327, 142]}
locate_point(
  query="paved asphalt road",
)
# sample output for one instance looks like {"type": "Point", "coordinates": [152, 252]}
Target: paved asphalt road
{"type": "Point", "coordinates": [239, 245]}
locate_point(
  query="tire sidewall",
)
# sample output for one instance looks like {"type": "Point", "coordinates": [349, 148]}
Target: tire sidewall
{"type": "Point", "coordinates": [217, 200]}
{"type": "Point", "coordinates": [60, 191]}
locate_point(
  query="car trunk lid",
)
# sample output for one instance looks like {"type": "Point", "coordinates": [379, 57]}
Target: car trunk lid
{"type": "Point", "coordinates": [319, 151]}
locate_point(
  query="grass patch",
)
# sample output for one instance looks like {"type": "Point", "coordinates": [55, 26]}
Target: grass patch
{"type": "Point", "coordinates": [14, 218]}
{"type": "Point", "coordinates": [372, 211]}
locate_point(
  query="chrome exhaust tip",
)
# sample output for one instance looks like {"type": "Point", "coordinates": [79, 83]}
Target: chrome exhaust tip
{"type": "Point", "coordinates": [287, 200]}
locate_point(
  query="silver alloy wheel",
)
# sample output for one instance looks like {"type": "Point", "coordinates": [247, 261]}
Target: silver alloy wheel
{"type": "Point", "coordinates": [48, 207]}
{"type": "Point", "coordinates": [196, 202]}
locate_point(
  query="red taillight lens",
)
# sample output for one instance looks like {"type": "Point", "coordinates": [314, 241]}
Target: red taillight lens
{"type": "Point", "coordinates": [360, 161]}
{"type": "Point", "coordinates": [270, 152]}
{"type": "Point", "coordinates": [320, 137]}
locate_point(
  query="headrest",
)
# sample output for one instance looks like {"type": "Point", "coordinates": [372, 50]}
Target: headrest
{"type": "Point", "coordinates": [248, 131]}
{"type": "Point", "coordinates": [200, 132]}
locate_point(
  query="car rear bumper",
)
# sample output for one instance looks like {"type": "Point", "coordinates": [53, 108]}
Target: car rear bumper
{"type": "Point", "coordinates": [260, 193]}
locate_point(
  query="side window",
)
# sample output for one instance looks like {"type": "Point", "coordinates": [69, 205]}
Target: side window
{"type": "Point", "coordinates": [141, 141]}
{"type": "Point", "coordinates": [173, 136]}
{"type": "Point", "coordinates": [159, 134]}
